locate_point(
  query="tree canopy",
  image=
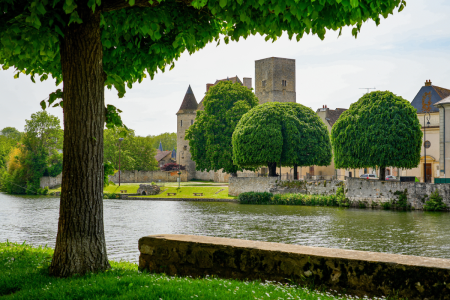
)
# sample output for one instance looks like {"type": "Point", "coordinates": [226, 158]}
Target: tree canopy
{"type": "Point", "coordinates": [286, 133]}
{"type": "Point", "coordinates": [136, 152]}
{"type": "Point", "coordinates": [380, 129]}
{"type": "Point", "coordinates": [167, 139]}
{"type": "Point", "coordinates": [12, 133]}
{"type": "Point", "coordinates": [210, 136]}
{"type": "Point", "coordinates": [90, 44]}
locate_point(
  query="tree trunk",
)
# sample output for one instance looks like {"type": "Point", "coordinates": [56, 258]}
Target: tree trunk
{"type": "Point", "coordinates": [272, 169]}
{"type": "Point", "coordinates": [382, 173]}
{"type": "Point", "coordinates": [295, 172]}
{"type": "Point", "coordinates": [80, 242]}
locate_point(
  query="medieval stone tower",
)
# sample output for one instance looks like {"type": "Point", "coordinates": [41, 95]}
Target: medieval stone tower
{"type": "Point", "coordinates": [185, 118]}
{"type": "Point", "coordinates": [275, 80]}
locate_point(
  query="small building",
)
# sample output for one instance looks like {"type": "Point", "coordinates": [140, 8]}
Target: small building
{"type": "Point", "coordinates": [163, 157]}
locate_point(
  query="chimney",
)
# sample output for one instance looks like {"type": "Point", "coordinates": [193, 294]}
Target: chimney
{"type": "Point", "coordinates": [248, 82]}
{"type": "Point", "coordinates": [208, 85]}
{"type": "Point", "coordinates": [428, 82]}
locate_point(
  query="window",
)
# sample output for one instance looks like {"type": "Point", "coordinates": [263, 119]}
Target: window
{"type": "Point", "coordinates": [283, 83]}
{"type": "Point", "coordinates": [263, 83]}
{"type": "Point", "coordinates": [185, 147]}
{"type": "Point", "coordinates": [181, 123]}
{"type": "Point", "coordinates": [192, 122]}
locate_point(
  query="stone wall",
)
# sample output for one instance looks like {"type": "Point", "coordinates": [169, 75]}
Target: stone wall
{"type": "Point", "coordinates": [51, 182]}
{"type": "Point", "coordinates": [357, 272]}
{"type": "Point", "coordinates": [250, 184]}
{"type": "Point", "coordinates": [148, 189]}
{"type": "Point", "coordinates": [374, 192]}
{"type": "Point", "coordinates": [321, 187]}
{"type": "Point", "coordinates": [147, 176]}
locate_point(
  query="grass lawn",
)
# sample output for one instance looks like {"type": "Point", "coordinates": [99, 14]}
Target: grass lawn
{"type": "Point", "coordinates": [188, 192]}
{"type": "Point", "coordinates": [24, 275]}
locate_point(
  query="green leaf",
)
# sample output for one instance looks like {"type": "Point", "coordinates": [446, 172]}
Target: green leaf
{"type": "Point", "coordinates": [223, 3]}
{"type": "Point", "coordinates": [43, 105]}
{"type": "Point", "coordinates": [58, 30]}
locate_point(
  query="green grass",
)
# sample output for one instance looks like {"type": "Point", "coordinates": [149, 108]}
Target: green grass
{"type": "Point", "coordinates": [132, 188]}
{"type": "Point", "coordinates": [188, 192]}
{"type": "Point", "coordinates": [24, 275]}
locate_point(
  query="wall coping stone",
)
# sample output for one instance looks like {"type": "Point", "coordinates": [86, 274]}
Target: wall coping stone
{"type": "Point", "coordinates": [356, 272]}
{"type": "Point", "coordinates": [182, 199]}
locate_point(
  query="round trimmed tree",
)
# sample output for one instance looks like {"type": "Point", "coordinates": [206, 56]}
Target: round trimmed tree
{"type": "Point", "coordinates": [286, 133]}
{"type": "Point", "coordinates": [379, 130]}
{"type": "Point", "coordinates": [210, 136]}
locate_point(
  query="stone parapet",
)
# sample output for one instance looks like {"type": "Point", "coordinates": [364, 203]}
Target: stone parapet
{"type": "Point", "coordinates": [357, 272]}
{"type": "Point", "coordinates": [240, 185]}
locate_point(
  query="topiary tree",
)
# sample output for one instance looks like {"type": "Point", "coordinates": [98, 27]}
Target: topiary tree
{"type": "Point", "coordinates": [285, 133]}
{"type": "Point", "coordinates": [210, 136]}
{"type": "Point", "coordinates": [380, 129]}
{"type": "Point", "coordinates": [90, 44]}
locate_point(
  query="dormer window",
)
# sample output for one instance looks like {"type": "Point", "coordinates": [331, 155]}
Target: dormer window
{"type": "Point", "coordinates": [283, 83]}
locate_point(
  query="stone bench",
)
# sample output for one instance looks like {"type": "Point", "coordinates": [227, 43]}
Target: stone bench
{"type": "Point", "coordinates": [357, 272]}
{"type": "Point", "coordinates": [123, 191]}
{"type": "Point", "coordinates": [171, 194]}
{"type": "Point", "coordinates": [198, 194]}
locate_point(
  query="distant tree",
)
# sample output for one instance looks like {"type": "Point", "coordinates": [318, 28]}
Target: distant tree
{"type": "Point", "coordinates": [136, 152]}
{"type": "Point", "coordinates": [167, 139]}
{"type": "Point", "coordinates": [6, 145]}
{"type": "Point", "coordinates": [210, 136]}
{"type": "Point", "coordinates": [12, 133]}
{"type": "Point", "coordinates": [91, 44]}
{"type": "Point", "coordinates": [172, 167]}
{"type": "Point", "coordinates": [379, 130]}
{"type": "Point", "coordinates": [286, 133]}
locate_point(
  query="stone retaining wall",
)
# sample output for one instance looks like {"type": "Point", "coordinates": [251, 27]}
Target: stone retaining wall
{"type": "Point", "coordinates": [320, 187]}
{"type": "Point", "coordinates": [250, 184]}
{"type": "Point", "coordinates": [148, 176]}
{"type": "Point", "coordinates": [357, 272]}
{"type": "Point", "coordinates": [374, 192]}
{"type": "Point", "coordinates": [51, 182]}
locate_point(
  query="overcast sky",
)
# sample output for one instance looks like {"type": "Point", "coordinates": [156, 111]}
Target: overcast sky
{"type": "Point", "coordinates": [399, 55]}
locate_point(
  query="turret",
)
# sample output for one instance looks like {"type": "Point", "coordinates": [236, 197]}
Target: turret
{"type": "Point", "coordinates": [185, 118]}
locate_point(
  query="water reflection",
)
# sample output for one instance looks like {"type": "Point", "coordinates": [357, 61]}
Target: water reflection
{"type": "Point", "coordinates": [34, 219]}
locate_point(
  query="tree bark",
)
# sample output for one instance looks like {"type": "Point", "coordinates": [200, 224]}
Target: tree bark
{"type": "Point", "coordinates": [382, 173]}
{"type": "Point", "coordinates": [295, 172]}
{"type": "Point", "coordinates": [272, 169]}
{"type": "Point", "coordinates": [80, 242]}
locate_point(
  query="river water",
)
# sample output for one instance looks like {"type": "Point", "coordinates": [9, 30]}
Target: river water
{"type": "Point", "coordinates": [34, 219]}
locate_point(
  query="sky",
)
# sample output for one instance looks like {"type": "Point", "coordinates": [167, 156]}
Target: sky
{"type": "Point", "coordinates": [401, 53]}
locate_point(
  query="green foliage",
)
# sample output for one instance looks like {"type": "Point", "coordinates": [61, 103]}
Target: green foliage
{"type": "Point", "coordinates": [287, 199]}
{"type": "Point", "coordinates": [6, 145]}
{"type": "Point", "coordinates": [340, 197]}
{"type": "Point", "coordinates": [145, 39]}
{"type": "Point", "coordinates": [11, 133]}
{"type": "Point", "coordinates": [43, 191]}
{"type": "Point", "coordinates": [167, 139]}
{"type": "Point", "coordinates": [380, 129]}
{"type": "Point", "coordinates": [402, 201]}
{"type": "Point", "coordinates": [136, 152]}
{"type": "Point", "coordinates": [294, 184]}
{"type": "Point", "coordinates": [111, 196]}
{"type": "Point", "coordinates": [210, 136]}
{"type": "Point", "coordinates": [24, 275]}
{"type": "Point", "coordinates": [108, 170]}
{"type": "Point", "coordinates": [38, 156]}
{"type": "Point", "coordinates": [386, 205]}
{"type": "Point", "coordinates": [435, 202]}
{"type": "Point", "coordinates": [286, 133]}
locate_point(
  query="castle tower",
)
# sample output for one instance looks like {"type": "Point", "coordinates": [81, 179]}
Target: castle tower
{"type": "Point", "coordinates": [275, 80]}
{"type": "Point", "coordinates": [185, 118]}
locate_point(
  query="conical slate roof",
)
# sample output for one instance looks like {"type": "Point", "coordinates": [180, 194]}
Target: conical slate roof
{"type": "Point", "coordinates": [189, 102]}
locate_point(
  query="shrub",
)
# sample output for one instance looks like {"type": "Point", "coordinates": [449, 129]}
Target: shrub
{"type": "Point", "coordinates": [402, 201]}
{"type": "Point", "coordinates": [111, 196]}
{"type": "Point", "coordinates": [435, 202]}
{"type": "Point", "coordinates": [342, 201]}
{"type": "Point", "coordinates": [386, 205]}
{"type": "Point", "coordinates": [255, 198]}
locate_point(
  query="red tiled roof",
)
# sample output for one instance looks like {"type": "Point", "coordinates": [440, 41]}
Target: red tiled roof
{"type": "Point", "coordinates": [161, 154]}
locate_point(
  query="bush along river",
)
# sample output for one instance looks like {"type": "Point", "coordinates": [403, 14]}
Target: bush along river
{"type": "Point", "coordinates": [34, 219]}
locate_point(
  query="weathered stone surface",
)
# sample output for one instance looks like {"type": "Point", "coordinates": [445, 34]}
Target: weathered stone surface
{"type": "Point", "coordinates": [375, 192]}
{"type": "Point", "coordinates": [358, 272]}
{"type": "Point", "coordinates": [250, 184]}
{"type": "Point", "coordinates": [147, 189]}
{"type": "Point", "coordinates": [51, 182]}
{"type": "Point", "coordinates": [148, 176]}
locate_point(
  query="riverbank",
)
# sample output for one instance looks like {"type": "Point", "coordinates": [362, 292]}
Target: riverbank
{"type": "Point", "coordinates": [24, 275]}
